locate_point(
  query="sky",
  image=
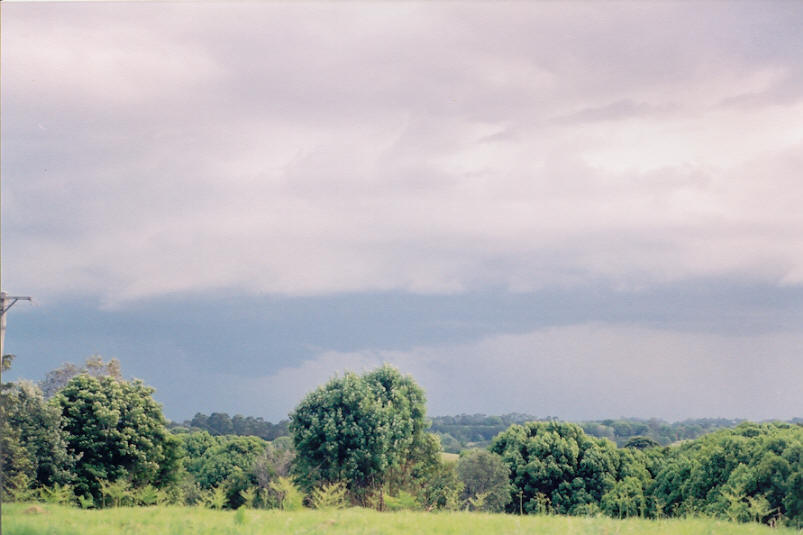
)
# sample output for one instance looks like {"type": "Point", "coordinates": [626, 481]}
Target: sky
{"type": "Point", "coordinates": [576, 209]}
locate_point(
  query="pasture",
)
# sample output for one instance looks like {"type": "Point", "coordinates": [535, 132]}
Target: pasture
{"type": "Point", "coordinates": [46, 519]}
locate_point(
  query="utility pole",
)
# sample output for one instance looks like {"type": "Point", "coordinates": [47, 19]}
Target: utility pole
{"type": "Point", "coordinates": [6, 302]}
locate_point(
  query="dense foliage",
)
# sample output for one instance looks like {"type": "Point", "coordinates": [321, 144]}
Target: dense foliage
{"type": "Point", "coordinates": [116, 431]}
{"type": "Point", "coordinates": [220, 423]}
{"type": "Point", "coordinates": [357, 430]}
{"type": "Point", "coordinates": [98, 435]}
{"type": "Point", "coordinates": [101, 440]}
{"type": "Point", "coordinates": [623, 430]}
{"type": "Point", "coordinates": [226, 462]}
{"type": "Point", "coordinates": [33, 444]}
{"type": "Point", "coordinates": [477, 430]}
{"type": "Point", "coordinates": [555, 467]}
{"type": "Point", "coordinates": [485, 479]}
{"type": "Point", "coordinates": [752, 472]}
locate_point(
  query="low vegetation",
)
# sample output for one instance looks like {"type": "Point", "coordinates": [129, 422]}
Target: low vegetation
{"type": "Point", "coordinates": [25, 519]}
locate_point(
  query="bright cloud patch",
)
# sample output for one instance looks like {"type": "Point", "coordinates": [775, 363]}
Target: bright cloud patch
{"type": "Point", "coordinates": [310, 149]}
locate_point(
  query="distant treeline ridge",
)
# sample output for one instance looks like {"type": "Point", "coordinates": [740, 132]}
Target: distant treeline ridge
{"type": "Point", "coordinates": [220, 423]}
{"type": "Point", "coordinates": [477, 430]}
{"type": "Point", "coordinates": [464, 431]}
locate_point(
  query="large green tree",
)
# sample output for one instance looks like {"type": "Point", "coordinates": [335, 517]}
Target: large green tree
{"type": "Point", "coordinates": [16, 467]}
{"type": "Point", "coordinates": [39, 428]}
{"type": "Point", "coordinates": [117, 431]}
{"type": "Point", "coordinates": [753, 471]}
{"type": "Point", "coordinates": [359, 430]}
{"type": "Point", "coordinates": [556, 467]}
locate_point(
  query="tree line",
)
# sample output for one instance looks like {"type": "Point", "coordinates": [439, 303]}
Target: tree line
{"type": "Point", "coordinates": [477, 430]}
{"type": "Point", "coordinates": [98, 440]}
{"type": "Point", "coordinates": [471, 431]}
{"type": "Point", "coordinates": [467, 431]}
{"type": "Point", "coordinates": [220, 423]}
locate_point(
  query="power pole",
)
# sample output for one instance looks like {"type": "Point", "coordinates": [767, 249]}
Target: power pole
{"type": "Point", "coordinates": [6, 302]}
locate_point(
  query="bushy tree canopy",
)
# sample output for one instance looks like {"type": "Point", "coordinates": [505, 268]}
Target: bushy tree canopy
{"type": "Point", "coordinates": [226, 462]}
{"type": "Point", "coordinates": [38, 427]}
{"type": "Point", "coordinates": [357, 429]}
{"type": "Point", "coordinates": [116, 430]}
{"type": "Point", "coordinates": [556, 467]}
{"type": "Point", "coordinates": [730, 473]}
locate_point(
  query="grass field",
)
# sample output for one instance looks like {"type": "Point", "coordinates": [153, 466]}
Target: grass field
{"type": "Point", "coordinates": [449, 457]}
{"type": "Point", "coordinates": [30, 519]}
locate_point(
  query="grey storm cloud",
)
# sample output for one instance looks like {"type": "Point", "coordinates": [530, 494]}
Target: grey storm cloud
{"type": "Point", "coordinates": [308, 148]}
{"type": "Point", "coordinates": [576, 372]}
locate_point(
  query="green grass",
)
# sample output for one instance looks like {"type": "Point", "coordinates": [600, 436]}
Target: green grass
{"type": "Point", "coordinates": [29, 519]}
{"type": "Point", "coordinates": [449, 457]}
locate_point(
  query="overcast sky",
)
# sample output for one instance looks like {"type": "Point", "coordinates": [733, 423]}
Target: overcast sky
{"type": "Point", "coordinates": [584, 210]}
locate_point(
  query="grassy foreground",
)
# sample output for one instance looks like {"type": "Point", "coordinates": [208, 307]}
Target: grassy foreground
{"type": "Point", "coordinates": [30, 519]}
